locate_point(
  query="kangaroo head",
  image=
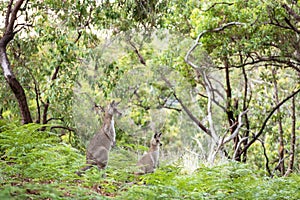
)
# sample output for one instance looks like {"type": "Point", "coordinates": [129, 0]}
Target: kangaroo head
{"type": "Point", "coordinates": [155, 142]}
{"type": "Point", "coordinates": [112, 109]}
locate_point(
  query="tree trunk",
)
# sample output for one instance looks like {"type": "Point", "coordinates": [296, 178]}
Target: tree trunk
{"type": "Point", "coordinates": [232, 121]}
{"type": "Point", "coordinates": [1, 112]}
{"type": "Point", "coordinates": [9, 33]}
{"type": "Point", "coordinates": [15, 87]}
{"type": "Point", "coordinates": [280, 129]}
{"type": "Point", "coordinates": [245, 107]}
{"type": "Point", "coordinates": [293, 140]}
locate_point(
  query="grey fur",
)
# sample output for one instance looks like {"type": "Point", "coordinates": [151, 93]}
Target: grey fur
{"type": "Point", "coordinates": [150, 161]}
{"type": "Point", "coordinates": [98, 149]}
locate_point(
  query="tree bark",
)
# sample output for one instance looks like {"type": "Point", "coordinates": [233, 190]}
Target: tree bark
{"type": "Point", "coordinates": [232, 121]}
{"type": "Point", "coordinates": [293, 140]}
{"type": "Point", "coordinates": [1, 112]}
{"type": "Point", "coordinates": [245, 107]}
{"type": "Point", "coordinates": [280, 129]}
{"type": "Point", "coordinates": [16, 87]}
{"type": "Point", "coordinates": [260, 132]}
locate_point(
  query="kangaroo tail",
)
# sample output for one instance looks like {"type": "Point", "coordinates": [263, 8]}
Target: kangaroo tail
{"type": "Point", "coordinates": [139, 173]}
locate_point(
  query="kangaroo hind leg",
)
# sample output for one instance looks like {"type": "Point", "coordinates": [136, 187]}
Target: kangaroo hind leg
{"type": "Point", "coordinates": [81, 171]}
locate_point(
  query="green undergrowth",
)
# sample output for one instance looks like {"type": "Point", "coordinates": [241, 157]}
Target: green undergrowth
{"type": "Point", "coordinates": [227, 181]}
{"type": "Point", "coordinates": [37, 164]}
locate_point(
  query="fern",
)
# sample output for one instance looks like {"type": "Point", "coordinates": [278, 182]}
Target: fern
{"type": "Point", "coordinates": [38, 165]}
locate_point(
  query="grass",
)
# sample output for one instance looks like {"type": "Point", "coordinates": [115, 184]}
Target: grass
{"type": "Point", "coordinates": [38, 165]}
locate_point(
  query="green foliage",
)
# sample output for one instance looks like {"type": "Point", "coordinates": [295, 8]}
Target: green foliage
{"type": "Point", "coordinates": [36, 165]}
{"type": "Point", "coordinates": [35, 154]}
{"type": "Point", "coordinates": [230, 181]}
{"type": "Point", "coordinates": [87, 43]}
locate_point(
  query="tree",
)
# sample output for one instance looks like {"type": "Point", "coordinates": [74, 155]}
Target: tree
{"type": "Point", "coordinates": [10, 29]}
{"type": "Point", "coordinates": [215, 75]}
{"type": "Point", "coordinates": [240, 38]}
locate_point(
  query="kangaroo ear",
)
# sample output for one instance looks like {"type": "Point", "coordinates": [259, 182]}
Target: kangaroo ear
{"type": "Point", "coordinates": [112, 103]}
{"type": "Point", "coordinates": [157, 135]}
{"type": "Point", "coordinates": [99, 108]}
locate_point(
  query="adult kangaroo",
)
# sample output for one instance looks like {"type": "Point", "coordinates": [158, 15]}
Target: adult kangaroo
{"type": "Point", "coordinates": [100, 145]}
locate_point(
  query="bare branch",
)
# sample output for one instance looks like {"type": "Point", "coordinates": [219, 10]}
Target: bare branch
{"type": "Point", "coordinates": [220, 144]}
{"type": "Point", "coordinates": [86, 24]}
{"type": "Point", "coordinates": [291, 12]}
{"type": "Point", "coordinates": [236, 131]}
{"type": "Point", "coordinates": [8, 13]}
{"type": "Point", "coordinates": [238, 147]}
{"type": "Point", "coordinates": [141, 58]}
{"type": "Point", "coordinates": [62, 127]}
{"type": "Point", "coordinates": [55, 118]}
{"type": "Point", "coordinates": [188, 112]}
{"type": "Point", "coordinates": [267, 159]}
{"type": "Point", "coordinates": [267, 119]}
{"type": "Point", "coordinates": [23, 25]}
{"type": "Point", "coordinates": [172, 108]}
{"type": "Point", "coordinates": [213, 91]}
{"type": "Point", "coordinates": [209, 107]}
{"type": "Point", "coordinates": [13, 17]}
{"type": "Point", "coordinates": [279, 163]}
{"type": "Point", "coordinates": [224, 140]}
{"type": "Point", "coordinates": [291, 25]}
{"type": "Point", "coordinates": [289, 62]}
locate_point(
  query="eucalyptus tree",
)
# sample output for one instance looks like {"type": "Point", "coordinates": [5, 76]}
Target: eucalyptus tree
{"type": "Point", "coordinates": [9, 30]}
{"type": "Point", "coordinates": [44, 42]}
{"type": "Point", "coordinates": [246, 40]}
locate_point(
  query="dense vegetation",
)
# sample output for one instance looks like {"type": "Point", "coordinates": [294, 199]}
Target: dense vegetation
{"type": "Point", "coordinates": [219, 79]}
{"type": "Point", "coordinates": [39, 165]}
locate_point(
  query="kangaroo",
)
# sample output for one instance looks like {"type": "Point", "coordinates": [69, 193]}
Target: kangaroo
{"type": "Point", "coordinates": [100, 145]}
{"type": "Point", "coordinates": [149, 161]}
